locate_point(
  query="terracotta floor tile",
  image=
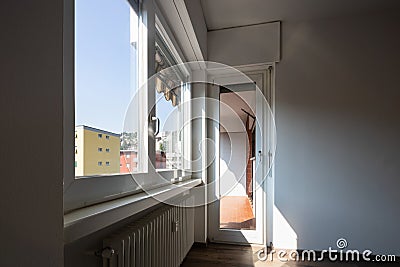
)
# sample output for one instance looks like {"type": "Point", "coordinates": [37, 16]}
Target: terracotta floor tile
{"type": "Point", "coordinates": [236, 213]}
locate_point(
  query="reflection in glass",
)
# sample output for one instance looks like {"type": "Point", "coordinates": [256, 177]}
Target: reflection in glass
{"type": "Point", "coordinates": [169, 95]}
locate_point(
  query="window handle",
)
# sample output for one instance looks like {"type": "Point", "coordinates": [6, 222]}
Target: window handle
{"type": "Point", "coordinates": [158, 124]}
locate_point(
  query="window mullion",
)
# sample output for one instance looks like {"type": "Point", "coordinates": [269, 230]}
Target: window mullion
{"type": "Point", "coordinates": [146, 67]}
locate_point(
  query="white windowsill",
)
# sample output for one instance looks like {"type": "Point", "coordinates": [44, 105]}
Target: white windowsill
{"type": "Point", "coordinates": [85, 221]}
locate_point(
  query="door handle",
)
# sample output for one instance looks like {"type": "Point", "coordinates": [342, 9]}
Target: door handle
{"type": "Point", "coordinates": [154, 118]}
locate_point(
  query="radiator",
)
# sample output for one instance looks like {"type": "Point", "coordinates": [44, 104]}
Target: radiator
{"type": "Point", "coordinates": [159, 239]}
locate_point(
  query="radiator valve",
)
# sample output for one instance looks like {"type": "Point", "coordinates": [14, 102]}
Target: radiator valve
{"type": "Point", "coordinates": [106, 253]}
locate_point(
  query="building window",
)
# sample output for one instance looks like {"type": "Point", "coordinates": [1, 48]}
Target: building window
{"type": "Point", "coordinates": [107, 137]}
{"type": "Point", "coordinates": [99, 135]}
{"type": "Point", "coordinates": [100, 163]}
{"type": "Point", "coordinates": [100, 149]}
{"type": "Point", "coordinates": [76, 151]}
{"type": "Point", "coordinates": [107, 150]}
{"type": "Point", "coordinates": [128, 156]}
{"type": "Point", "coordinates": [76, 164]}
{"type": "Point", "coordinates": [107, 163]}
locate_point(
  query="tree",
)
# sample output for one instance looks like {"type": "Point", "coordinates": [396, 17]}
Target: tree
{"type": "Point", "coordinates": [129, 141]}
{"type": "Point", "coordinates": [163, 146]}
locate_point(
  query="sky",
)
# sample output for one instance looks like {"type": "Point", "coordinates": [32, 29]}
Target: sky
{"type": "Point", "coordinates": [103, 81]}
{"type": "Point", "coordinates": [102, 63]}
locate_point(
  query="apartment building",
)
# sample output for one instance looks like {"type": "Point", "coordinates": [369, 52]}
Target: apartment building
{"type": "Point", "coordinates": [258, 126]}
{"type": "Point", "coordinates": [128, 161]}
{"type": "Point", "coordinates": [96, 151]}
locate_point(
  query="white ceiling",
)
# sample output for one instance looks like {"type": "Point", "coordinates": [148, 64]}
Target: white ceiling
{"type": "Point", "coordinates": [221, 14]}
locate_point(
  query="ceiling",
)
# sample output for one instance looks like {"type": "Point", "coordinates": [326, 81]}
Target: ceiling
{"type": "Point", "coordinates": [220, 14]}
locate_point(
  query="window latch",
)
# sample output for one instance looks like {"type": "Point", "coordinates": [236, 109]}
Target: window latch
{"type": "Point", "coordinates": [158, 124]}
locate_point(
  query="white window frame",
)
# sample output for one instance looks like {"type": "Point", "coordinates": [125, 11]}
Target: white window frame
{"type": "Point", "coordinates": [78, 192]}
{"type": "Point", "coordinates": [173, 47]}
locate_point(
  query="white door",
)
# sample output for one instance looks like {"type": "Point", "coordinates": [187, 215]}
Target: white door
{"type": "Point", "coordinates": [241, 163]}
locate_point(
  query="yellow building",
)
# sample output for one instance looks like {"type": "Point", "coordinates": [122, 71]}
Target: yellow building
{"type": "Point", "coordinates": [96, 151]}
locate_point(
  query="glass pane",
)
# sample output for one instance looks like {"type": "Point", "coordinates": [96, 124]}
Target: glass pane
{"type": "Point", "coordinates": [106, 39]}
{"type": "Point", "coordinates": [237, 157]}
{"type": "Point", "coordinates": [169, 95]}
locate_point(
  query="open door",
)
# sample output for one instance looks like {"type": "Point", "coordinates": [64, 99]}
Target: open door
{"type": "Point", "coordinates": [238, 216]}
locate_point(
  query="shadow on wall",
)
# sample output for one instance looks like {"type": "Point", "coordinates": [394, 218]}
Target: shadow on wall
{"type": "Point", "coordinates": [233, 163]}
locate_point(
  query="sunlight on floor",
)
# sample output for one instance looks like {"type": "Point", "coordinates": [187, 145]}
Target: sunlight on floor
{"type": "Point", "coordinates": [236, 212]}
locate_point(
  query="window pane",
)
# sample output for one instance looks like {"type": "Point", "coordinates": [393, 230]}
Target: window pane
{"type": "Point", "coordinates": [106, 40]}
{"type": "Point", "coordinates": [169, 95]}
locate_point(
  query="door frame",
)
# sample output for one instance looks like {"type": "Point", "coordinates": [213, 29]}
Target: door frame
{"type": "Point", "coordinates": [267, 74]}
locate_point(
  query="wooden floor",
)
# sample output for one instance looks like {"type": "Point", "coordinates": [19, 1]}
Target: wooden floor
{"type": "Point", "coordinates": [221, 255]}
{"type": "Point", "coordinates": [236, 213]}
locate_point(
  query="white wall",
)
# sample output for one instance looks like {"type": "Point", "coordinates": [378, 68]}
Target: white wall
{"type": "Point", "coordinates": [233, 163]}
{"type": "Point", "coordinates": [242, 46]}
{"type": "Point", "coordinates": [31, 224]}
{"type": "Point", "coordinates": [337, 116]}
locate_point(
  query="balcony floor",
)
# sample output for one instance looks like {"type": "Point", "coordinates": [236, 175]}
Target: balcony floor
{"type": "Point", "coordinates": [236, 213]}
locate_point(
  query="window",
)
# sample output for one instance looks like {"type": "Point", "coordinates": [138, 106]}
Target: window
{"type": "Point", "coordinates": [106, 77]}
{"type": "Point", "coordinates": [170, 110]}
{"type": "Point", "coordinates": [108, 44]}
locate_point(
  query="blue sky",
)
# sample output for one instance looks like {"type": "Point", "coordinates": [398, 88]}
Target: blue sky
{"type": "Point", "coordinates": [103, 82]}
{"type": "Point", "coordinates": [102, 63]}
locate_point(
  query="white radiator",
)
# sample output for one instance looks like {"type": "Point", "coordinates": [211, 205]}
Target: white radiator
{"type": "Point", "coordinates": [160, 239]}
